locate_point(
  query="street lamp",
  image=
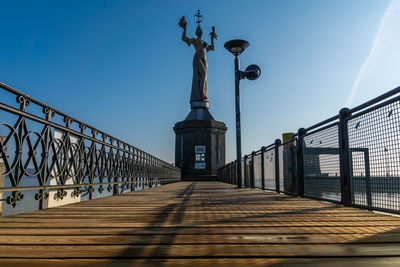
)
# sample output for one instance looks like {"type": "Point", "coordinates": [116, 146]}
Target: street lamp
{"type": "Point", "coordinates": [252, 72]}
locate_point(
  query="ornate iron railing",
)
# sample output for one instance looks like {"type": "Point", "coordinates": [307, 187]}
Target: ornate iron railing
{"type": "Point", "coordinates": [352, 158]}
{"type": "Point", "coordinates": [57, 158]}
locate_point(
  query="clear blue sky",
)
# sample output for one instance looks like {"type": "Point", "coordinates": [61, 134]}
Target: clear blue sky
{"type": "Point", "coordinates": [122, 67]}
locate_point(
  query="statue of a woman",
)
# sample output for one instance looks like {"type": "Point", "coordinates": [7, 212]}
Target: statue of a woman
{"type": "Point", "coordinates": [199, 83]}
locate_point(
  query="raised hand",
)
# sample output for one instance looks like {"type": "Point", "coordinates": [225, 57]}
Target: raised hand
{"type": "Point", "coordinates": [213, 34]}
{"type": "Point", "coordinates": [183, 23]}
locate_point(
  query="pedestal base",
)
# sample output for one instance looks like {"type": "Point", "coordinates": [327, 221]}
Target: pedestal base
{"type": "Point", "coordinates": [200, 148]}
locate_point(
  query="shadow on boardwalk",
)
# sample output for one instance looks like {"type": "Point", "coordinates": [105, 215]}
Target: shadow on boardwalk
{"type": "Point", "coordinates": [175, 212]}
{"type": "Point", "coordinates": [178, 209]}
{"type": "Point", "coordinates": [201, 224]}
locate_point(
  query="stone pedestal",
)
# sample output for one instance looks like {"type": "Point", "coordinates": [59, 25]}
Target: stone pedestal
{"type": "Point", "coordinates": [200, 147]}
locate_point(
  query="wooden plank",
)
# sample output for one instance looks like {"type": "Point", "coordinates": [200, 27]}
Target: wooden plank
{"type": "Point", "coordinates": [127, 239]}
{"type": "Point", "coordinates": [201, 250]}
{"type": "Point", "coordinates": [200, 223]}
{"type": "Point", "coordinates": [177, 223]}
{"type": "Point", "coordinates": [224, 262]}
{"type": "Point", "coordinates": [214, 219]}
{"type": "Point", "coordinates": [197, 230]}
{"type": "Point", "coordinates": [201, 215]}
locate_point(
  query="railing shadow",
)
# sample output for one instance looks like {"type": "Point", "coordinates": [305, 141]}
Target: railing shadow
{"type": "Point", "coordinates": [160, 218]}
{"type": "Point", "coordinates": [160, 241]}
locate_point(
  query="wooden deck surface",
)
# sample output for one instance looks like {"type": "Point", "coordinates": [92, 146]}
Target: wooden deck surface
{"type": "Point", "coordinates": [200, 223]}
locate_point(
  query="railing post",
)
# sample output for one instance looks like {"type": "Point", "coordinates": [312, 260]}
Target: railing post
{"type": "Point", "coordinates": [149, 175]}
{"type": "Point", "coordinates": [231, 173]}
{"type": "Point", "coordinates": [225, 174]}
{"type": "Point", "coordinates": [116, 187]}
{"type": "Point", "coordinates": [222, 174]}
{"type": "Point", "coordinates": [345, 168]}
{"type": "Point", "coordinates": [300, 162]}
{"type": "Point", "coordinates": [131, 171]}
{"type": "Point", "coordinates": [235, 173]}
{"type": "Point", "coordinates": [49, 114]}
{"type": "Point", "coordinates": [93, 158]}
{"type": "Point", "coordinates": [252, 176]}
{"type": "Point", "coordinates": [246, 184]}
{"type": "Point", "coordinates": [367, 178]}
{"type": "Point", "coordinates": [277, 174]}
{"type": "Point", "coordinates": [227, 170]}
{"type": "Point", "coordinates": [262, 168]}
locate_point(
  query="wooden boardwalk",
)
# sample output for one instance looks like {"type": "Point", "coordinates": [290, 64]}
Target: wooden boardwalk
{"type": "Point", "coordinates": [200, 223]}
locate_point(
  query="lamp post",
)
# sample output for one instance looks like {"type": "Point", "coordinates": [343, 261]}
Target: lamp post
{"type": "Point", "coordinates": [252, 72]}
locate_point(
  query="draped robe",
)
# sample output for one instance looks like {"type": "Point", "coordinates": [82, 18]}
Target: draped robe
{"type": "Point", "coordinates": [199, 82]}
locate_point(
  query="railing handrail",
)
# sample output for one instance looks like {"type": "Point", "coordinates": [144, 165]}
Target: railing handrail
{"type": "Point", "coordinates": [360, 107]}
{"type": "Point", "coordinates": [81, 123]}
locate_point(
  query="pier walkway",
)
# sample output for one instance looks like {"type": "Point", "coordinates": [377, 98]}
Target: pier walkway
{"type": "Point", "coordinates": [200, 223]}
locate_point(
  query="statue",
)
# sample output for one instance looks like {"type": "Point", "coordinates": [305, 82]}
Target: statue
{"type": "Point", "coordinates": [199, 95]}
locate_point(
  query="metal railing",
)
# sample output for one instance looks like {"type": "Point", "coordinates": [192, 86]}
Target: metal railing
{"type": "Point", "coordinates": [352, 158]}
{"type": "Point", "coordinates": [55, 158]}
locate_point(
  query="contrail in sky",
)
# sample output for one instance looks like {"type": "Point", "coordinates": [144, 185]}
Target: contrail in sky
{"type": "Point", "coordinates": [390, 10]}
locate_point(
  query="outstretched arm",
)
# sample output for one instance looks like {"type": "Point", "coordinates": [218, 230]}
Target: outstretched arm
{"type": "Point", "coordinates": [185, 38]}
{"type": "Point", "coordinates": [183, 24]}
{"type": "Point", "coordinates": [213, 36]}
{"type": "Point", "coordinates": [211, 47]}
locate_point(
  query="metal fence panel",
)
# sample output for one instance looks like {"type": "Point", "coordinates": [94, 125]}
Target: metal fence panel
{"type": "Point", "coordinates": [248, 171]}
{"type": "Point", "coordinates": [269, 169]}
{"type": "Point", "coordinates": [322, 164]}
{"type": "Point", "coordinates": [374, 147]}
{"type": "Point", "coordinates": [257, 171]}
{"type": "Point", "coordinates": [287, 167]}
{"type": "Point", "coordinates": [243, 177]}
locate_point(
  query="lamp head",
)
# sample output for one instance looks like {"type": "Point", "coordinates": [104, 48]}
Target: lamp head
{"type": "Point", "coordinates": [236, 47]}
{"type": "Point", "coordinates": [253, 72]}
